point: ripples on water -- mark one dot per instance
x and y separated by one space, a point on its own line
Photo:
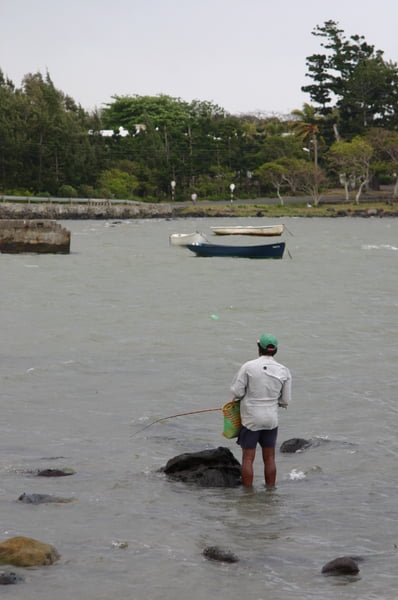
126 329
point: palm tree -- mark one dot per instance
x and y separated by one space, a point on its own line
306 128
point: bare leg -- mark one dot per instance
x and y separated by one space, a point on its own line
247 466
269 466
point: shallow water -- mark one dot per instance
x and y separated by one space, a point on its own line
127 329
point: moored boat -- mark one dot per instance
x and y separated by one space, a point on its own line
258 251
182 239
266 230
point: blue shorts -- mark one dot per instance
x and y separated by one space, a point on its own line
248 439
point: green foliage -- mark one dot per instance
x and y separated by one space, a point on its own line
273 174
114 183
67 191
351 161
356 77
86 191
385 145
353 157
48 142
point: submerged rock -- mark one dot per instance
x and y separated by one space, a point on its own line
344 565
42 499
10 578
26 552
55 473
295 444
209 468
216 553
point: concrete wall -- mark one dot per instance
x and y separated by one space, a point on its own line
33 235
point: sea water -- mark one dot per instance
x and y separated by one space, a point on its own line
127 329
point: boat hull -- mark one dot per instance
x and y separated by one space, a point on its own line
263 251
266 230
182 239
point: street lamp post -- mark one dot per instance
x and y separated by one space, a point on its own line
314 145
173 190
232 187
316 173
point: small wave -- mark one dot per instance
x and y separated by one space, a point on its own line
296 475
121 545
379 247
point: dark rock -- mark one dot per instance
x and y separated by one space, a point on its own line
344 565
298 444
42 499
295 444
10 578
216 553
209 468
54 473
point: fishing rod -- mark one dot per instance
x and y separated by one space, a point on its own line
193 412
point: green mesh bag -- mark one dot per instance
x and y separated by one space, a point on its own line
231 412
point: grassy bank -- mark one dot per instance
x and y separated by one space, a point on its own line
296 209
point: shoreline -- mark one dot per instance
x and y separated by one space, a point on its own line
369 207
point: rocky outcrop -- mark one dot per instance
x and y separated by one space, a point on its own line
209 468
22 551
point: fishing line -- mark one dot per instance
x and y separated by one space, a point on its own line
193 412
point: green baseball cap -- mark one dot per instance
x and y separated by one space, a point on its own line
267 340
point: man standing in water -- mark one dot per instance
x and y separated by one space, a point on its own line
261 385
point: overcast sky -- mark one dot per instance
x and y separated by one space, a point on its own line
244 55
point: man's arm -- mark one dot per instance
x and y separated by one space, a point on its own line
286 392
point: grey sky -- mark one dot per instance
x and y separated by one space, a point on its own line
244 55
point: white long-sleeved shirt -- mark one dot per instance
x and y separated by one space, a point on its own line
261 385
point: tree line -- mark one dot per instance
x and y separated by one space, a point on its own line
154 148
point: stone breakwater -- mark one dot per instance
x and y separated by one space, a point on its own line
141 210
17 210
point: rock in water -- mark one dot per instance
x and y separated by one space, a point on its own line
216 553
344 565
10 578
209 468
42 499
294 445
55 473
26 552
